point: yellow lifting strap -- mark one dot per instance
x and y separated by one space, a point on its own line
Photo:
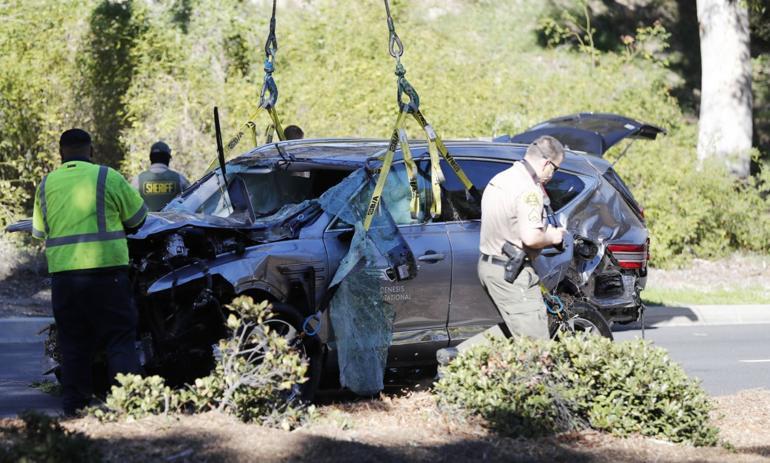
411 171
248 126
445 154
436 146
387 160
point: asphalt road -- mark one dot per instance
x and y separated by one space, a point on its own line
20 365
727 358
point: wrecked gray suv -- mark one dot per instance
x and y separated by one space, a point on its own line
285 218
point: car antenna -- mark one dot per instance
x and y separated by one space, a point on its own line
220 148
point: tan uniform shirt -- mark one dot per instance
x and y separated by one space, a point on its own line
511 201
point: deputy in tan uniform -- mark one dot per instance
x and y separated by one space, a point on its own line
512 210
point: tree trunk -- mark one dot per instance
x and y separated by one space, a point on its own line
725 125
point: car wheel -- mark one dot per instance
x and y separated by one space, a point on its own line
287 321
580 317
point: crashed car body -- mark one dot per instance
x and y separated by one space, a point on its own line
285 248
265 229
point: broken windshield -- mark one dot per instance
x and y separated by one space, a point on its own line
268 189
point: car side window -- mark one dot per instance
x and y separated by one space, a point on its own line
563 188
396 196
456 203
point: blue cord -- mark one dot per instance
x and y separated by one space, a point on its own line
558 301
306 327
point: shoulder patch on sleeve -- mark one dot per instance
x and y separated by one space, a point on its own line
532 210
531 199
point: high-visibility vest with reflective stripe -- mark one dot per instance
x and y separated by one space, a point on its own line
158 188
81 210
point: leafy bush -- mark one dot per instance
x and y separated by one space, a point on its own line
136 397
42 439
530 387
256 372
254 378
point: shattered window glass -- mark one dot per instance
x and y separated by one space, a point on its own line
269 189
563 188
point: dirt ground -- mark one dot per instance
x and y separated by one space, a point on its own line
412 428
25 294
25 290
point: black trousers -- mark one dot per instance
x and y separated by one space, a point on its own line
93 311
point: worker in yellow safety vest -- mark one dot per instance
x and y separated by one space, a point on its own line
84 211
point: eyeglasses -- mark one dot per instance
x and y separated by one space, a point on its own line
555 167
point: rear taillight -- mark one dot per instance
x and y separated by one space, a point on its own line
630 256
649 256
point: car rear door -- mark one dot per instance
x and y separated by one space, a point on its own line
470 308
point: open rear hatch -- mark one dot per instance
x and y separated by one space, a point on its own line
594 133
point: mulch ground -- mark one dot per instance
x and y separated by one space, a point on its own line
412 428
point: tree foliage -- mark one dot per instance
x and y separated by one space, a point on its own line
135 71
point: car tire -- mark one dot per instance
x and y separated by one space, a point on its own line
587 319
288 315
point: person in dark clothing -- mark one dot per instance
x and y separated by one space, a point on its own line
83 212
293 132
159 184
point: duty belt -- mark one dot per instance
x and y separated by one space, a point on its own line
493 260
499 261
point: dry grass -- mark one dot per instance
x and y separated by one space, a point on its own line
735 272
411 428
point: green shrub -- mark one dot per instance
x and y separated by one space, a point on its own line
256 371
136 397
531 387
254 379
42 439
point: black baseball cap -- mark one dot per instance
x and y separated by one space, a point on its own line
160 147
74 138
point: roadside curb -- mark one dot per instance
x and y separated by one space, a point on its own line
695 315
23 329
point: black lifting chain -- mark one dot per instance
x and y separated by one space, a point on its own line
396 49
269 94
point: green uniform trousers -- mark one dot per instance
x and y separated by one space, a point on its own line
520 304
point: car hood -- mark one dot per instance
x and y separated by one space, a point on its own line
594 133
283 224
159 222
